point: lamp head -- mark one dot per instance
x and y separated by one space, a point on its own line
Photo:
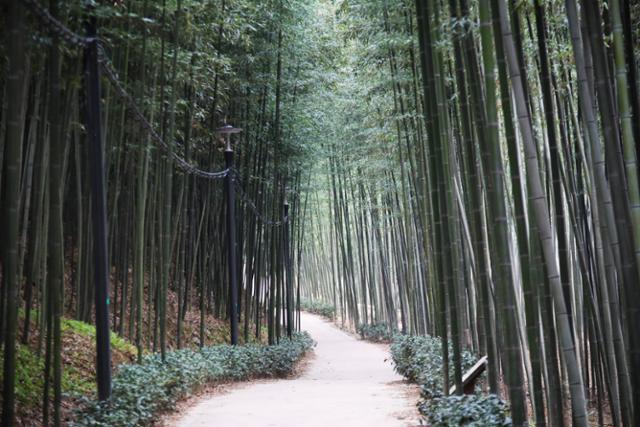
226 132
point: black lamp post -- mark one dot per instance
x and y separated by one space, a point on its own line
230 195
289 273
99 208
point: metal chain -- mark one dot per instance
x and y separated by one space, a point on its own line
124 96
67 35
55 26
64 33
244 198
264 180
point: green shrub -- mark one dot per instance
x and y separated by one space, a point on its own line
141 391
317 307
380 331
475 410
419 359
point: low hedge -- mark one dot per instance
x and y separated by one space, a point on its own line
380 331
478 410
317 307
140 391
419 359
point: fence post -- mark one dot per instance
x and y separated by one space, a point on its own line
95 153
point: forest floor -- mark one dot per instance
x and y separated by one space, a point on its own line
345 382
78 355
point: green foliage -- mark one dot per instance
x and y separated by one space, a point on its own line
141 391
476 410
30 366
85 329
74 382
29 378
317 307
30 381
380 331
419 359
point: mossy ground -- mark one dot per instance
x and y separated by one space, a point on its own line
78 373
78 359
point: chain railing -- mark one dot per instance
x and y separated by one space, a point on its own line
247 202
55 26
96 59
67 35
128 100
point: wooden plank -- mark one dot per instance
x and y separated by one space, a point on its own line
470 377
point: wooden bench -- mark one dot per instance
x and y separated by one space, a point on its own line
470 377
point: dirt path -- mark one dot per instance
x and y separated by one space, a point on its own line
347 383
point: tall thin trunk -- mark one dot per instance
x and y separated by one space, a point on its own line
16 80
543 222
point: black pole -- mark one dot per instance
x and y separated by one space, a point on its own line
289 282
99 208
231 244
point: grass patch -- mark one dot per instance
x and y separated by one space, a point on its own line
78 366
30 379
81 328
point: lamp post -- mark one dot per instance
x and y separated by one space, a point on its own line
99 208
230 196
289 275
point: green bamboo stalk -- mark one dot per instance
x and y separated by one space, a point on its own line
16 78
543 222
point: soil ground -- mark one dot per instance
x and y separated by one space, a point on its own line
347 382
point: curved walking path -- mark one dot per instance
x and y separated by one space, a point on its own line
348 382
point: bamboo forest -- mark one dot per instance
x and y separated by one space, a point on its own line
320 213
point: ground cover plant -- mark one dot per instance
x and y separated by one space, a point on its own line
419 359
317 307
378 331
141 391
478 410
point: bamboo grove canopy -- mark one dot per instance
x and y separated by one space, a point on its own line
460 168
